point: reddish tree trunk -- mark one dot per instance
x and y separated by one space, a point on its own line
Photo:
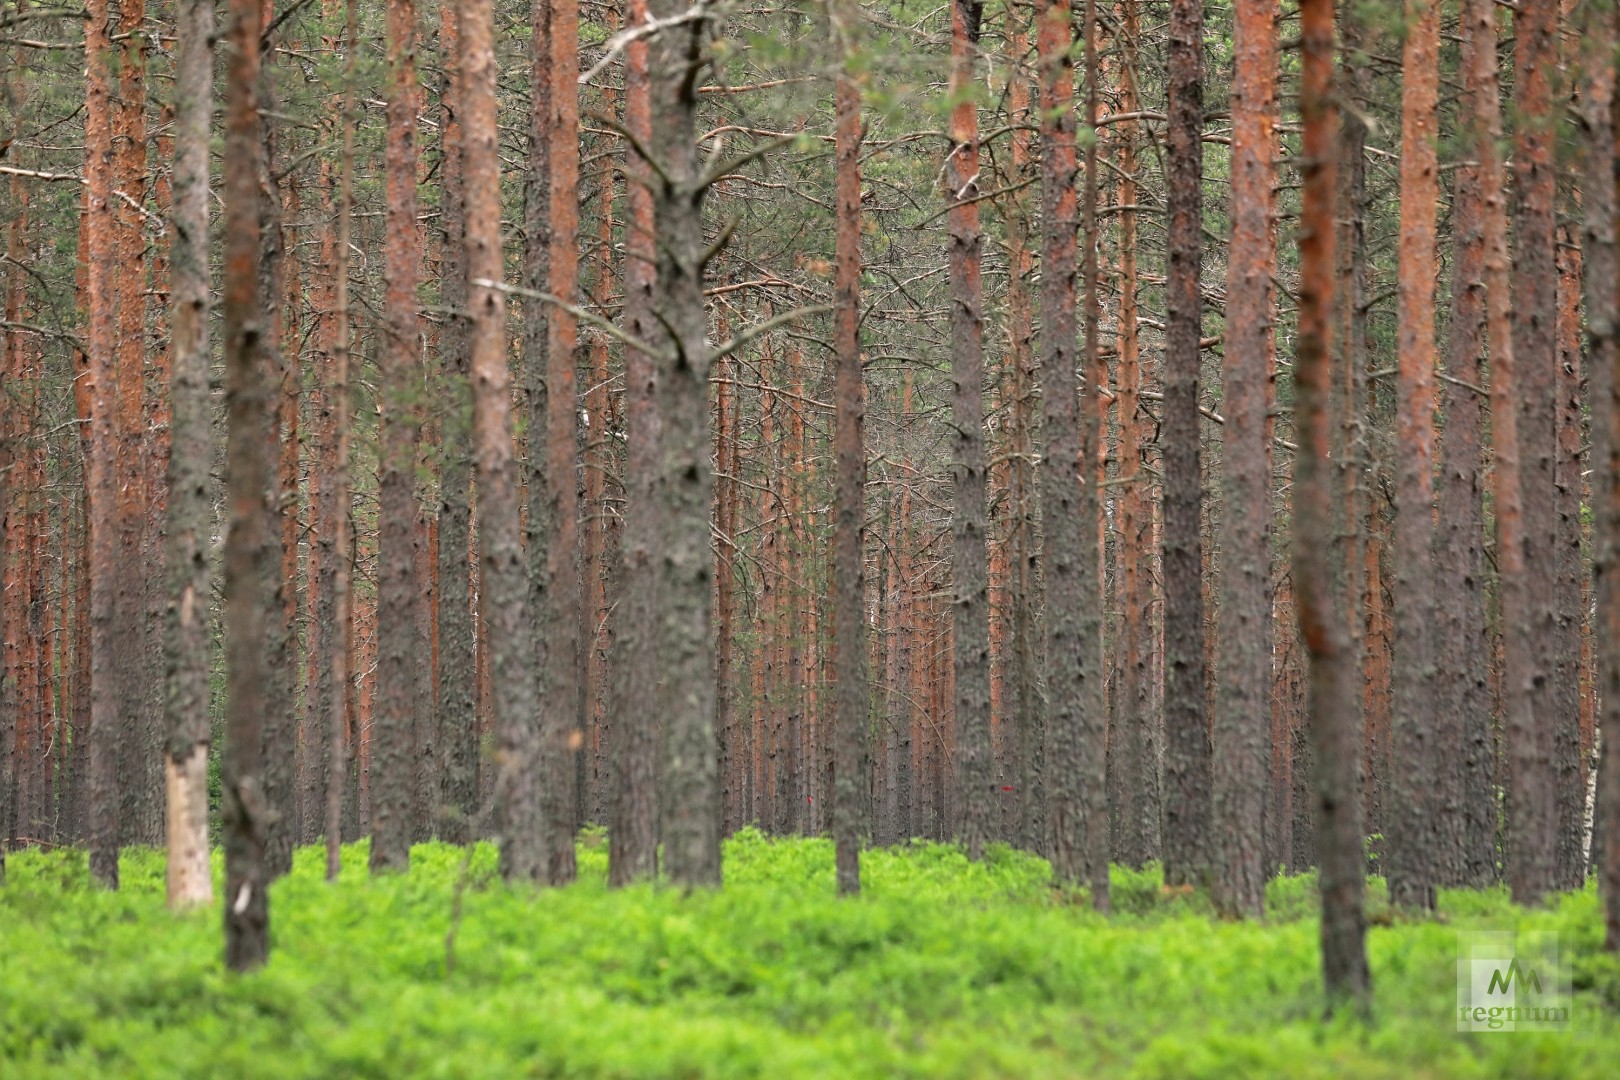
1242 721
1333 672
1410 842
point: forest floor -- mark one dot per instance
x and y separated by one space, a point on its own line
942 968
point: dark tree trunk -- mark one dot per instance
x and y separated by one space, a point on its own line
1600 121
1242 728
1336 740
1528 610
1463 800
1187 799
1570 871
249 600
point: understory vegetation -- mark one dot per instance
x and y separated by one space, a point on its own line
943 967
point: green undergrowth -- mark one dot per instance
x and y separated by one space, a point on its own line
942 968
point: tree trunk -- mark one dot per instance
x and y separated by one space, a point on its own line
400 358
504 598
1464 802
280 729
341 719
1079 826
633 834
1243 727
849 562
691 820
1570 869
562 621
1187 767
458 723
1336 742
109 692
248 599
1601 121
1527 531
1410 843
969 560
190 516
1142 813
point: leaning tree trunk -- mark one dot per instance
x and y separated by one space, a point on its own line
190 511
248 601
1335 738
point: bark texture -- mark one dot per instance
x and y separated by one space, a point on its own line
190 503
1335 738
691 819
1528 530
632 833
1187 798
504 601
400 357
1410 843
249 600
849 562
968 521
1242 728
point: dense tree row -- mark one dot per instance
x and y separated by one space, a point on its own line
1083 426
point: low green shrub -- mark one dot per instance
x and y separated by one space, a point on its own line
943 967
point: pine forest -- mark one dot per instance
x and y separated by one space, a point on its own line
848 538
